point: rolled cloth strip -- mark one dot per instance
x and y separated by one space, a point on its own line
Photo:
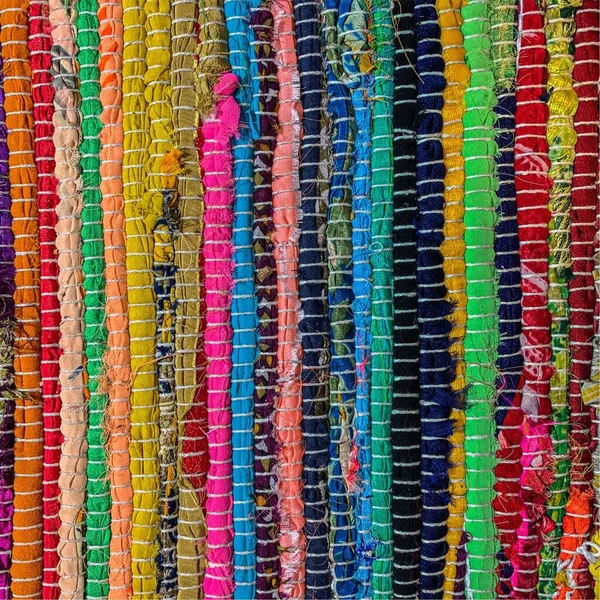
561 136
436 370
406 434
98 500
217 165
243 306
286 203
509 416
191 421
382 170
26 567
265 373
40 42
7 391
313 323
43 96
575 579
117 357
457 76
481 338
532 184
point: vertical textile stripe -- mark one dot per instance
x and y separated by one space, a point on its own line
286 203
98 492
40 42
481 336
532 184
457 76
406 434
561 136
509 416
139 223
117 357
26 568
342 384
7 398
381 296
243 307
577 523
265 279
73 413
191 561
165 229
217 165
436 371
157 95
313 322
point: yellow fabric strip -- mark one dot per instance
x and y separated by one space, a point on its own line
139 224
457 76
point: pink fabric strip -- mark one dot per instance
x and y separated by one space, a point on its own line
217 166
286 201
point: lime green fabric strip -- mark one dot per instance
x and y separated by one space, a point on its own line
98 493
481 339
382 296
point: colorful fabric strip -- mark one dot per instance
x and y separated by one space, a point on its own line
406 435
243 309
313 323
436 371
217 165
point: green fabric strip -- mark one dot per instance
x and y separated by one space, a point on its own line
98 492
481 339
382 296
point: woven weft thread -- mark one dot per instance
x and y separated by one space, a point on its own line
406 434
26 567
532 184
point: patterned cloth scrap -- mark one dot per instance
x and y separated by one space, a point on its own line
532 184
406 436
574 578
561 137
265 279
164 270
7 396
98 500
40 42
357 64
116 359
457 76
217 165
342 383
243 307
313 324
27 540
436 370
509 416
382 325
481 337
288 404
73 413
